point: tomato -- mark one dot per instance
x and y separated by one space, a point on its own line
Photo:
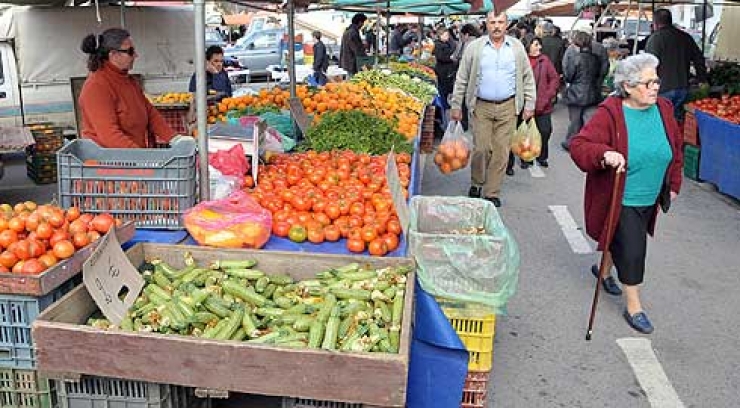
316 235
333 211
17 224
94 236
248 181
48 259
33 267
8 259
322 219
22 250
356 245
56 219
301 203
304 217
391 241
58 236
35 248
280 228
44 231
357 209
394 227
378 247
4 269
32 222
332 233
369 234
80 240
19 208
101 223
8 237
64 249
73 213
297 233
18 267
287 195
77 226
355 221
86 218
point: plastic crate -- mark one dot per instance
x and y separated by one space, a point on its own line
691 156
152 187
476 330
17 313
49 177
426 143
690 129
475 390
24 389
289 402
102 392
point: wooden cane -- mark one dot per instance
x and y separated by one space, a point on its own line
611 221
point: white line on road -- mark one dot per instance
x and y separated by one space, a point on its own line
577 241
649 372
536 171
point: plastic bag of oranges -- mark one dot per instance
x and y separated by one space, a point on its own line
454 152
527 141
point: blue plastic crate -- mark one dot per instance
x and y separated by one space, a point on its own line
17 313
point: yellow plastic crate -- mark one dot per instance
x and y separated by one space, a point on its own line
476 333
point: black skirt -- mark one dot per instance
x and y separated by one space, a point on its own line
629 245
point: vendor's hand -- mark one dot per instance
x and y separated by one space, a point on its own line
673 195
456 114
527 114
615 159
211 68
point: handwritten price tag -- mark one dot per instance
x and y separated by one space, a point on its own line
108 275
394 184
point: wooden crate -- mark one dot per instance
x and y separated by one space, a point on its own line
690 129
67 348
52 278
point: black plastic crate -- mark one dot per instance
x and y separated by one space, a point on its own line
103 392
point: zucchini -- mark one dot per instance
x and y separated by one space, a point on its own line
261 284
332 330
281 280
316 334
233 264
359 294
243 293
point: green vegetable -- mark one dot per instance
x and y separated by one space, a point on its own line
356 131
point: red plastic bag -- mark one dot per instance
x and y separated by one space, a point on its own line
237 221
232 162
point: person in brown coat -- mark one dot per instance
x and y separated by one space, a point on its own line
115 111
352 45
634 133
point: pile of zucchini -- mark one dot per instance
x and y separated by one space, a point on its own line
350 308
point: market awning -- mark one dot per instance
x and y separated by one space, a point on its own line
443 7
237 19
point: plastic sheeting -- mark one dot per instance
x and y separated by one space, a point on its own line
463 251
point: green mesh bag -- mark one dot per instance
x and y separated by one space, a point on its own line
463 251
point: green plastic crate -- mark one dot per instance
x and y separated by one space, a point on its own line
24 389
691 155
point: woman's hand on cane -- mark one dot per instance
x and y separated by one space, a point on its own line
614 159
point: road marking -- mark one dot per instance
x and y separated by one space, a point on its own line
573 234
536 171
649 372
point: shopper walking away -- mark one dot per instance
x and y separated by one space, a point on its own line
633 132
320 59
495 79
444 66
677 52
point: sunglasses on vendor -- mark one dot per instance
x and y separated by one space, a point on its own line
130 51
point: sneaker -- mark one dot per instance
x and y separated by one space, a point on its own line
543 163
525 165
474 192
495 200
639 321
609 283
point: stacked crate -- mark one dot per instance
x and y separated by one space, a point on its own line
41 159
476 329
426 144
691 149
112 392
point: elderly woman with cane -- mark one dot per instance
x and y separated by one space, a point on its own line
633 132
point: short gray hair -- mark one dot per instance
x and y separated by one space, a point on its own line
629 69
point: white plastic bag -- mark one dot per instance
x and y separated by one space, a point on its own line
454 152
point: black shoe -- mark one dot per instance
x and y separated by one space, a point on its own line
525 165
495 200
509 171
543 163
639 321
565 146
609 284
474 192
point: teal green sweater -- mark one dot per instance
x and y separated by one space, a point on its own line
648 156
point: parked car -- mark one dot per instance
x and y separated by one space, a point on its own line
214 37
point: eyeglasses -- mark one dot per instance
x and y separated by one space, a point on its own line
130 51
650 82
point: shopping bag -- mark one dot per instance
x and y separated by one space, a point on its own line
454 152
527 141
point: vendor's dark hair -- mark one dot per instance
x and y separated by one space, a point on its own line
470 29
213 50
97 48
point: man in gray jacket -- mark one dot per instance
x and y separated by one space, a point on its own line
496 82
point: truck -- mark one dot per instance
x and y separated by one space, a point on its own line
40 56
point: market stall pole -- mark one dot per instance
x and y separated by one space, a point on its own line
200 97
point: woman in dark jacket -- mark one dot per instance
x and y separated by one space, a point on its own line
636 134
547 81
444 67
583 76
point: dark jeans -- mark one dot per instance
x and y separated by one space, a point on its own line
677 97
544 125
578 116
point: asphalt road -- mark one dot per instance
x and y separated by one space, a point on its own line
540 356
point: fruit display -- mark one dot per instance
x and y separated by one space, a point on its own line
401 110
452 155
352 308
36 237
329 196
726 107
414 86
356 131
172 98
414 69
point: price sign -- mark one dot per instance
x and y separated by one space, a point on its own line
108 274
299 114
394 184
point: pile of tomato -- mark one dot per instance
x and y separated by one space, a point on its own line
35 237
329 196
727 107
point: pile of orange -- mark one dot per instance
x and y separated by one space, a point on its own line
395 107
451 156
